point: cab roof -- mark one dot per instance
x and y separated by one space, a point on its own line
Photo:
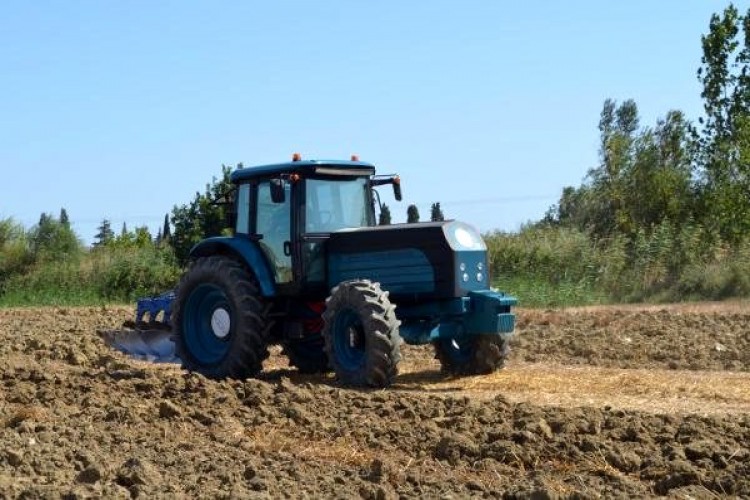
309 167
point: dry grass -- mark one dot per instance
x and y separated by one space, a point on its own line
660 391
25 413
741 306
340 449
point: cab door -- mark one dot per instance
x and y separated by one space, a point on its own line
274 228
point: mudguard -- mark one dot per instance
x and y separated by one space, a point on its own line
247 250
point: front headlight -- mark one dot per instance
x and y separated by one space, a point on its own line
462 236
468 239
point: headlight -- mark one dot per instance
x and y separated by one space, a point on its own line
462 236
467 239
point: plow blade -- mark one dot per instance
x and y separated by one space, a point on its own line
148 344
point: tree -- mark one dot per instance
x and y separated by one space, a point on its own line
617 127
658 183
64 220
104 233
385 215
412 214
142 237
202 217
166 231
124 229
724 154
51 239
10 231
644 178
15 254
436 213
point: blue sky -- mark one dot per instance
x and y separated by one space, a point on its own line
124 109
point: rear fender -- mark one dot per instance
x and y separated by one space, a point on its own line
244 249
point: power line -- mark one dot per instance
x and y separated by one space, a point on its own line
486 201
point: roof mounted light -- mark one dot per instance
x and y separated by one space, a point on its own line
355 157
353 172
296 157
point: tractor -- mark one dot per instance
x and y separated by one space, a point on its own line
308 268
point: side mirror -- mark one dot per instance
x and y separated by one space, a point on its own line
388 179
397 189
278 191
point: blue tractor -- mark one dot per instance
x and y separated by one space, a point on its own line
307 267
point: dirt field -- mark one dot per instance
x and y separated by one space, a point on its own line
599 402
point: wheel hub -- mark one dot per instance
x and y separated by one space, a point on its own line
221 322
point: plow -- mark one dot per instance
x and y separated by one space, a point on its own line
307 267
149 335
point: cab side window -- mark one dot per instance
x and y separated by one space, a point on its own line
274 226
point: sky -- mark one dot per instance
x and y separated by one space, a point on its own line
122 110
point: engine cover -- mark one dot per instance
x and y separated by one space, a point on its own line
414 262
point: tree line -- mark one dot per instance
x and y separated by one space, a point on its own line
675 172
665 213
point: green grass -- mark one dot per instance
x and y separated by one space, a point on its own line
105 276
540 293
52 297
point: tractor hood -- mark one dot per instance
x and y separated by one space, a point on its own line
431 260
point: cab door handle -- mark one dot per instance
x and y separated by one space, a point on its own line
288 248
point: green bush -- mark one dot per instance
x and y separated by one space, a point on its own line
101 275
555 266
15 253
555 254
127 273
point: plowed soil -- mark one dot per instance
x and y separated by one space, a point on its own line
603 402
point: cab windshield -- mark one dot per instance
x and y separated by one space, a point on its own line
331 205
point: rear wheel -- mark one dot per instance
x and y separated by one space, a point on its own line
472 354
361 334
219 320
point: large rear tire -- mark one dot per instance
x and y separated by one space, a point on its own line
361 334
219 320
472 354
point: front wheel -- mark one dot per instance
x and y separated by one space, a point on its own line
361 334
472 354
219 320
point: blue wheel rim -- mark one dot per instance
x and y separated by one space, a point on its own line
201 341
459 349
349 340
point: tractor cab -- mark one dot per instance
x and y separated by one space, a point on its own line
291 209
